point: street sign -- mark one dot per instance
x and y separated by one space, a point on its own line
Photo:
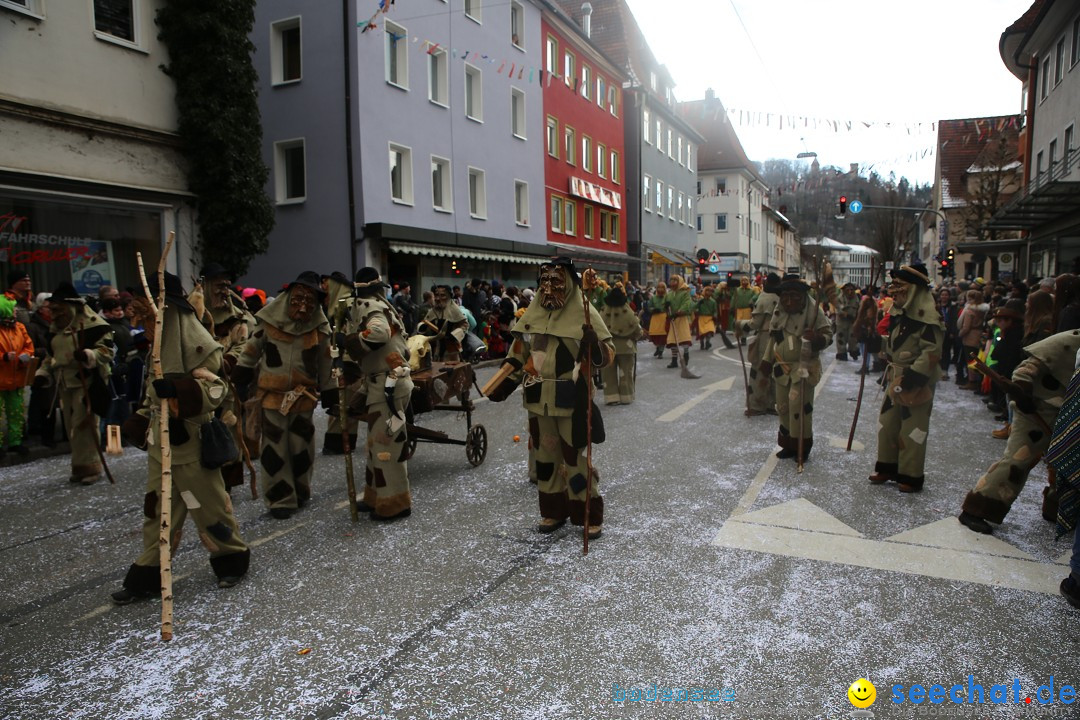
714 258
888 264
855 207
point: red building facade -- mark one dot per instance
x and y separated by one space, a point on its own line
584 171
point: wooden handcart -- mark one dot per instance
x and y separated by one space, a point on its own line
437 388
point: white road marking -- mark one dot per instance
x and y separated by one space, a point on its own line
985 563
678 412
278 533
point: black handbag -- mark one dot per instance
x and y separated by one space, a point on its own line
218 446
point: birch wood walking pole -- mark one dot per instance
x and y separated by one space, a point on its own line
165 527
343 411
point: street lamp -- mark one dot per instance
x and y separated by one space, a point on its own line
803 155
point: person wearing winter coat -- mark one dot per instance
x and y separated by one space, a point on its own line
969 329
16 351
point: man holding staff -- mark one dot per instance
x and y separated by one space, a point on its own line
193 389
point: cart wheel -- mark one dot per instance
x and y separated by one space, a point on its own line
476 445
410 447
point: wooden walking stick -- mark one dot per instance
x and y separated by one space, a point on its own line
588 279
742 362
343 412
858 401
165 527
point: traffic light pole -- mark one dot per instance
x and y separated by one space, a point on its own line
916 210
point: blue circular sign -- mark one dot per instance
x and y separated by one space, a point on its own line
855 206
713 269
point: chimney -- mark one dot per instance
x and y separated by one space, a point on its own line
710 94
586 19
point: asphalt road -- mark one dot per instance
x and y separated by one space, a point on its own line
722 573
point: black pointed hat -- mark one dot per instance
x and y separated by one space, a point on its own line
309 279
174 291
65 292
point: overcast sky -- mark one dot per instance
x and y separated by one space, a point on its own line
903 63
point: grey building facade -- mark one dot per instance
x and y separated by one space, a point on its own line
408 145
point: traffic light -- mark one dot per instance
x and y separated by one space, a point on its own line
702 259
730 275
454 267
843 205
950 263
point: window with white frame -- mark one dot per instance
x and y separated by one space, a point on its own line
646 192
601 91
721 222
517 113
477 194
614 166
1045 77
670 145
721 185
1053 154
569 145
570 217
670 202
474 96
116 20
441 185
613 100
552 59
699 223
586 153
698 188
1059 61
681 161
659 135
521 202
609 227
689 208
1068 148
586 82
1039 164
285 63
439 77
29 7
652 80
689 156
472 9
659 198
568 68
552 137
681 209
517 24
290 173
601 160
556 214
646 130
397 57
588 222
401 182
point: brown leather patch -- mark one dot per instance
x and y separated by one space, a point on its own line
394 360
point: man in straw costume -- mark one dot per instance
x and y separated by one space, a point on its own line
191 382
447 324
913 349
375 340
798 331
290 348
620 377
550 341
78 357
762 389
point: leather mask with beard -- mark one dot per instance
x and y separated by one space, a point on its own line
898 291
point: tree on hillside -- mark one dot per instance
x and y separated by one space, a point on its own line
991 182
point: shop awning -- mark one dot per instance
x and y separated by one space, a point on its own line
1043 203
603 259
460 252
665 256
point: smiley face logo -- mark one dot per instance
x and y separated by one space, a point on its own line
862 693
